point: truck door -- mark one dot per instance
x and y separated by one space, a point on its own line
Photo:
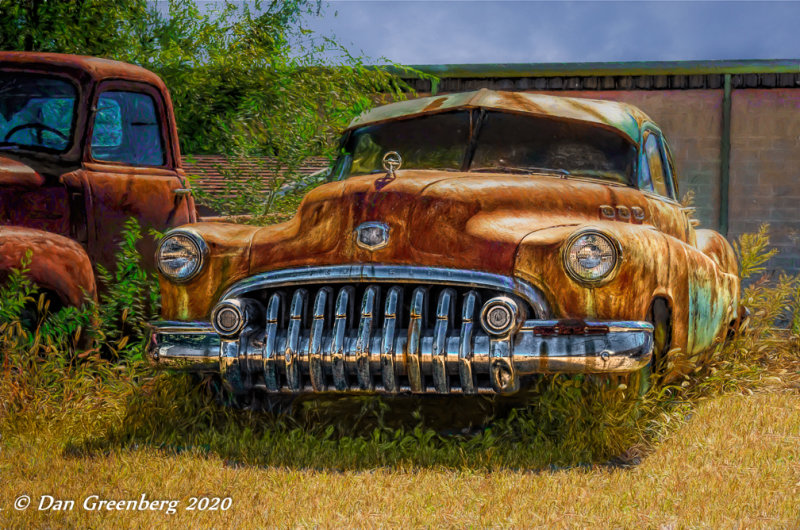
131 169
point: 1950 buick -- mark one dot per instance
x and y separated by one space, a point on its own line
465 244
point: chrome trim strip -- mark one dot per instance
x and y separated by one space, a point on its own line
388 368
465 373
414 350
292 351
444 310
343 308
270 351
315 370
362 353
367 272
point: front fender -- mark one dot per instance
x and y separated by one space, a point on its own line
641 274
227 262
701 288
58 264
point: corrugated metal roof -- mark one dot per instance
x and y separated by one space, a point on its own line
771 66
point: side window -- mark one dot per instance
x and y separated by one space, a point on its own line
645 180
657 173
127 129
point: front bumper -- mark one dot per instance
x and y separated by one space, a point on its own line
406 361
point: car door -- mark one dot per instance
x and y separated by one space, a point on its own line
131 169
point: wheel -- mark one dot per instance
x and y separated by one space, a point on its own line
659 316
639 382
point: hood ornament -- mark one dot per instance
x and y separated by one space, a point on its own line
372 235
392 162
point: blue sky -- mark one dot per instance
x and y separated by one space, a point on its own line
440 32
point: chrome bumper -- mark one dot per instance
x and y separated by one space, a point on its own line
413 360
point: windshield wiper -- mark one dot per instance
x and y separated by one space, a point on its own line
521 170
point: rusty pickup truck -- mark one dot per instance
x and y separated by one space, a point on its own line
85 144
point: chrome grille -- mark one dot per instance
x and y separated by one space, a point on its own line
399 337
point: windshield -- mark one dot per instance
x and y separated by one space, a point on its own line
435 141
491 141
36 111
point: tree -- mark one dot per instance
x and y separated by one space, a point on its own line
245 79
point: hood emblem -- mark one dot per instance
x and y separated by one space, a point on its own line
372 235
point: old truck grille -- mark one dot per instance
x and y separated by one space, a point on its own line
368 335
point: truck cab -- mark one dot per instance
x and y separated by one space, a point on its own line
85 144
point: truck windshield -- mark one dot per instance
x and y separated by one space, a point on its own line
492 141
36 111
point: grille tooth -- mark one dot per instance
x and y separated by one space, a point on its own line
388 369
466 373
444 312
269 354
292 352
413 346
368 305
315 351
343 305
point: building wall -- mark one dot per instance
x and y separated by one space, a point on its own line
765 145
765 169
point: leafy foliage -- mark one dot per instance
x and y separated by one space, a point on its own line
753 252
246 78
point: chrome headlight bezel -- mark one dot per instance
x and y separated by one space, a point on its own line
200 249
573 240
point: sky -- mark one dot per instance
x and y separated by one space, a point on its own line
454 32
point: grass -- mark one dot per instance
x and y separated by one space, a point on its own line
734 462
718 447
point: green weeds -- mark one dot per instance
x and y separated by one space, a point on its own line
83 400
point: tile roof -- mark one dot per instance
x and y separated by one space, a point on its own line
210 172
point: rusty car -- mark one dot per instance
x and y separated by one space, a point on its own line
85 144
465 243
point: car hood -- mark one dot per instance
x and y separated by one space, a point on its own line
14 174
434 218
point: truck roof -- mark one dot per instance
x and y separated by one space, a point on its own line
96 68
610 114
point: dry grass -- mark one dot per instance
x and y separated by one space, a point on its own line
736 462
719 447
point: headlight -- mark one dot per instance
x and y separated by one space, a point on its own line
591 257
180 255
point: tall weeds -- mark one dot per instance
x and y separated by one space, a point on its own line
79 399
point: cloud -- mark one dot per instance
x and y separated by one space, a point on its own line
441 32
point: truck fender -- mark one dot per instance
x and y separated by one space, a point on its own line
58 264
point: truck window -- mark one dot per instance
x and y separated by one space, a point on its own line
36 112
127 130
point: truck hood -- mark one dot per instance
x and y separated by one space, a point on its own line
435 218
14 174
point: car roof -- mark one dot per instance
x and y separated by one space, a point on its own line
621 117
96 68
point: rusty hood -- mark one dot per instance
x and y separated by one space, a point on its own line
434 218
17 175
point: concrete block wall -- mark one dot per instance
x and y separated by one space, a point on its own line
765 169
764 185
